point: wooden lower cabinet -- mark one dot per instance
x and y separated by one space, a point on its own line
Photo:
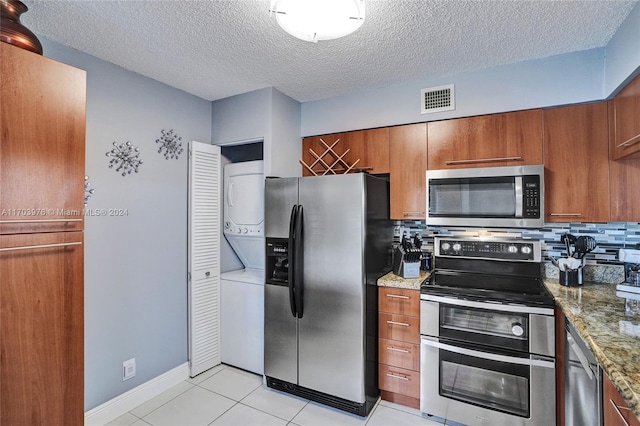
615 410
399 345
42 333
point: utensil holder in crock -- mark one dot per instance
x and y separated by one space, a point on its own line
572 277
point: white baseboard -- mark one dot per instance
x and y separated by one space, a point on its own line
129 400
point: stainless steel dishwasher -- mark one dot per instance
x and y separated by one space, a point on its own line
583 382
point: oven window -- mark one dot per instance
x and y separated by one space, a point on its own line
477 197
495 385
498 329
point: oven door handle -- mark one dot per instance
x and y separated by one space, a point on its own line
488 306
489 356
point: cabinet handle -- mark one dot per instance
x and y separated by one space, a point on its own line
397 296
482 160
404 324
617 409
395 376
404 351
634 140
41 221
40 246
566 214
407 214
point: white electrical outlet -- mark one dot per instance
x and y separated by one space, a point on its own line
128 369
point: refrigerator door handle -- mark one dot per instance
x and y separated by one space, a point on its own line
292 257
299 260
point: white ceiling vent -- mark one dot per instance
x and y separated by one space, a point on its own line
436 99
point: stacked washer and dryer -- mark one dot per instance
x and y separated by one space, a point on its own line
242 291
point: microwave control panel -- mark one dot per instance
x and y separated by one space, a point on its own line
531 196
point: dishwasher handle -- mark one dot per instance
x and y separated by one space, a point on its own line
581 356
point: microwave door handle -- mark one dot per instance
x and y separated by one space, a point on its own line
519 199
489 356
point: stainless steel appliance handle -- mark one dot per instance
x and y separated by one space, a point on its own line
581 356
42 246
521 309
292 265
299 261
519 202
482 160
489 356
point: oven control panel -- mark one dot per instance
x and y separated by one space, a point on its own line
509 249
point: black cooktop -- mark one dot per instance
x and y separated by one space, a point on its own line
529 291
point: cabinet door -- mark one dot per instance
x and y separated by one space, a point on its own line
371 147
42 334
623 174
576 163
407 171
627 121
42 147
509 139
615 410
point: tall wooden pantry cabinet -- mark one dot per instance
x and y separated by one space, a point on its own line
42 106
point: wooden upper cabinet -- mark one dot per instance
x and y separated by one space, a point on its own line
407 174
508 139
626 122
624 176
367 149
43 143
576 163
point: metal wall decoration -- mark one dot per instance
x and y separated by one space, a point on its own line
125 158
88 191
171 144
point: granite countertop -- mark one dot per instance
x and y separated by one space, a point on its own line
612 335
393 280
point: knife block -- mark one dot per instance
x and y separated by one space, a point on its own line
403 268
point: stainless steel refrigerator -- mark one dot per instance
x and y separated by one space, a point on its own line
327 242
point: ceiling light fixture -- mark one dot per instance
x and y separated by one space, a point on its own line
314 20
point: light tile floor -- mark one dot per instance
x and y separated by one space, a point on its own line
228 396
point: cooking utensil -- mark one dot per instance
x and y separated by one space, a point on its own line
568 241
584 245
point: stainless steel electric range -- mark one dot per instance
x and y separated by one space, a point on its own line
487 334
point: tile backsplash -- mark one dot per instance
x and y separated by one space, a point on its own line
610 237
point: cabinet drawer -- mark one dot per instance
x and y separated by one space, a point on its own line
399 301
399 354
399 327
399 380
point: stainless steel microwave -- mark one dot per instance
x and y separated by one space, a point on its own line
491 197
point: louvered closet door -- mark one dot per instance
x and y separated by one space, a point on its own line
204 257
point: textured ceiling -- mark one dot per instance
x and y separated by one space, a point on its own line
216 49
